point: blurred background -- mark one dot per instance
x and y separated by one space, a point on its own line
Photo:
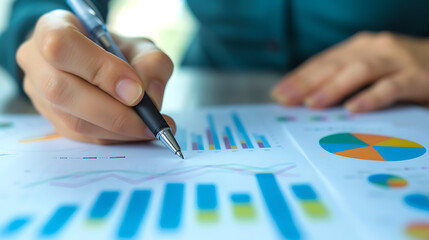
4 12
167 22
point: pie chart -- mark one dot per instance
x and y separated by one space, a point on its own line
387 181
419 230
371 147
418 201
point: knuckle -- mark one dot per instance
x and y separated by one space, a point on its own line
106 71
21 53
53 43
362 68
386 39
54 89
102 72
156 62
364 36
120 122
162 59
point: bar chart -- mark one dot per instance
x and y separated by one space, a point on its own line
243 206
310 201
135 207
229 135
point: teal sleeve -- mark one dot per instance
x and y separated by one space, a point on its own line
23 17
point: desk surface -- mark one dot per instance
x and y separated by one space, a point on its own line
188 89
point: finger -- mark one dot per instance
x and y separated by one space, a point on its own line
294 88
67 124
83 100
417 87
62 129
382 94
170 123
65 47
310 76
87 129
352 77
152 65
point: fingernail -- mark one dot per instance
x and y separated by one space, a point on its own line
156 91
277 96
315 100
355 106
285 96
128 90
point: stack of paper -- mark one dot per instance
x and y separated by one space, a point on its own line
250 172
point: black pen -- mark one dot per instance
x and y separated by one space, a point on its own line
92 21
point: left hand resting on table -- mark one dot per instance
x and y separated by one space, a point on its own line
396 67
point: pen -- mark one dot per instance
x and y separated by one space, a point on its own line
92 21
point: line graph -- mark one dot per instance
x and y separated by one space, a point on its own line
84 178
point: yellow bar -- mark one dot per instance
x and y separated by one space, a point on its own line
94 223
244 211
314 208
207 216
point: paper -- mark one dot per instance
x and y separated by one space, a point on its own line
250 172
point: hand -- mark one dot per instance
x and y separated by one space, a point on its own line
396 68
85 91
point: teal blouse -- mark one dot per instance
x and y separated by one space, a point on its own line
255 34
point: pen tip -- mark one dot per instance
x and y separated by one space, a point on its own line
179 153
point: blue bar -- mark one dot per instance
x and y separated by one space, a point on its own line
58 220
134 213
240 198
172 206
14 226
103 205
241 130
206 197
304 192
277 206
230 137
265 142
198 139
214 133
200 142
181 138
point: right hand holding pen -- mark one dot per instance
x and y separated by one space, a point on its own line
86 92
